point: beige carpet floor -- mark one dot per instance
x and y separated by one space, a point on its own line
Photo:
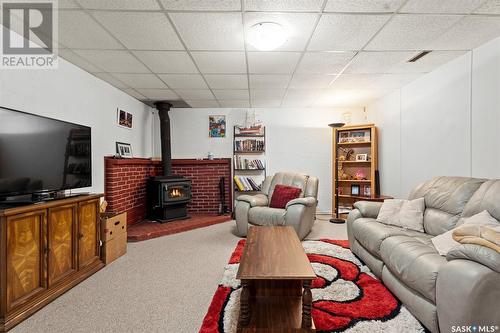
161 285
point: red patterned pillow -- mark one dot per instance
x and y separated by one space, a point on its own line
283 194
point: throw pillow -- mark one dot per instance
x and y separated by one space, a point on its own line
445 242
408 214
283 194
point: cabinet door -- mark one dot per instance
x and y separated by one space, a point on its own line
61 230
88 233
26 257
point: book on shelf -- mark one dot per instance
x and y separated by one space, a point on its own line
249 145
247 164
246 184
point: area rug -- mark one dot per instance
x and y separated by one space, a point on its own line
347 297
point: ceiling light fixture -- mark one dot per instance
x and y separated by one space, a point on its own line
266 36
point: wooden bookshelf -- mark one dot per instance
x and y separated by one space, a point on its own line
349 172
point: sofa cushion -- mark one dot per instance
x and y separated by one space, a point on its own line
266 216
414 261
370 234
283 194
485 198
289 179
445 199
408 214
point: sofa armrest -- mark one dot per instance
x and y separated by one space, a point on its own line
254 200
307 201
480 254
368 208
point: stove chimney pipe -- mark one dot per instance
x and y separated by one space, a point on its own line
166 150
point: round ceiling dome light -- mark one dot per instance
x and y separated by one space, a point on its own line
266 36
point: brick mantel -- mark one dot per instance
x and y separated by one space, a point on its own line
125 183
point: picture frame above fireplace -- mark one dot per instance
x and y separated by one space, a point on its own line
124 150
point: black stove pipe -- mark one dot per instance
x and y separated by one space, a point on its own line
166 150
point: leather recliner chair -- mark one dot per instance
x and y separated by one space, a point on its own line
299 213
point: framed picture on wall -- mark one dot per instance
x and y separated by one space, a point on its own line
124 150
217 126
125 119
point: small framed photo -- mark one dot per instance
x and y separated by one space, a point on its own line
343 137
124 119
367 191
358 136
124 149
361 157
355 189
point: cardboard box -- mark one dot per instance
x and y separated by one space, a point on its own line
113 224
114 236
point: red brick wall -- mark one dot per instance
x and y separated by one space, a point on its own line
125 184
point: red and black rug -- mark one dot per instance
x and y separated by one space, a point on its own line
347 297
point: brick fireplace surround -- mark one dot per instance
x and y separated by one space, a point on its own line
125 184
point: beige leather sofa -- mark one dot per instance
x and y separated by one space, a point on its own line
299 213
460 289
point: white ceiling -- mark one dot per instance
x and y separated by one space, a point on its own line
339 52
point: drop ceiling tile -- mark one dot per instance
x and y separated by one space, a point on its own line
184 81
363 6
343 97
299 27
324 62
469 33
210 31
113 61
199 94
342 32
141 30
308 81
284 5
120 4
203 104
232 81
244 103
377 62
354 81
202 5
274 94
76 60
157 94
134 93
266 103
93 36
489 7
393 81
232 94
427 63
167 61
298 101
441 6
221 62
111 80
269 81
272 62
141 81
68 4
412 32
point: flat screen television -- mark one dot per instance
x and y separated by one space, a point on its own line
39 155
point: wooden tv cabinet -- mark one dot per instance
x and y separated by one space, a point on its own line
45 250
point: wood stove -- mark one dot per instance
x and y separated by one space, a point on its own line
168 195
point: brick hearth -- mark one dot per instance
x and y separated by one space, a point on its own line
125 184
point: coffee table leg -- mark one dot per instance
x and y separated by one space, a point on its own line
245 303
306 305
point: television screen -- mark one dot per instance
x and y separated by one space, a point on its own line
39 154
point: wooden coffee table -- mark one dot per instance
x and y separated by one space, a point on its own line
276 278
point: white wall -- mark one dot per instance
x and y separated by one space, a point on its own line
444 123
297 139
71 94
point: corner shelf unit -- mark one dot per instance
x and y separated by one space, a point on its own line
248 160
355 159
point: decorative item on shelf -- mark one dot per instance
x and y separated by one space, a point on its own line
361 157
336 219
217 126
210 155
354 189
124 150
360 175
124 119
347 153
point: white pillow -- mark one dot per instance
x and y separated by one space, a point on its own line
445 242
403 213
